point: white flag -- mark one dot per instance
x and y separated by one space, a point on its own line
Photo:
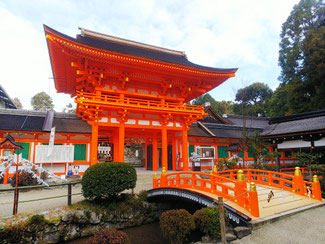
51 142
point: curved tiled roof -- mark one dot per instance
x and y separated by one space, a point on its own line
136 49
295 126
24 120
4 97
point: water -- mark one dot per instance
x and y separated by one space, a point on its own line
144 234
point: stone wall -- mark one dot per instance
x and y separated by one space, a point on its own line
83 222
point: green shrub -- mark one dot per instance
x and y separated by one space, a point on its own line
225 164
24 179
107 180
207 220
37 219
176 225
111 236
13 234
143 195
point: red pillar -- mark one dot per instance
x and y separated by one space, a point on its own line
174 152
164 155
154 152
115 142
121 138
185 149
146 153
94 144
5 176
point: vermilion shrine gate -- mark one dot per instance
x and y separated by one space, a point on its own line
132 91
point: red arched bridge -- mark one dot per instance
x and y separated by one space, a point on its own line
249 194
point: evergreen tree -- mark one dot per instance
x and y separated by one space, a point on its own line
42 102
17 102
253 99
301 58
223 107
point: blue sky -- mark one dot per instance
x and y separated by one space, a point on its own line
225 34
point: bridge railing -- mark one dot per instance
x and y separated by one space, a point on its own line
233 190
294 183
232 184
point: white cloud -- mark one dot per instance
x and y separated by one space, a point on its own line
225 34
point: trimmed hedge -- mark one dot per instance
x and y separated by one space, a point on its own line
207 220
109 236
176 225
107 180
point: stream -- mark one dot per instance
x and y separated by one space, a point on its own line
144 234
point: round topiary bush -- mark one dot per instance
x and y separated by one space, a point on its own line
207 220
176 225
109 236
107 180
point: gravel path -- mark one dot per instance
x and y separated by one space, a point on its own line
8 197
306 227
42 205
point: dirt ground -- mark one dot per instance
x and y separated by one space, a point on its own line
302 228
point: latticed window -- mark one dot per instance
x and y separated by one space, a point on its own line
79 152
222 153
25 151
250 152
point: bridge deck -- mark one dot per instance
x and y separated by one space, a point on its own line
281 201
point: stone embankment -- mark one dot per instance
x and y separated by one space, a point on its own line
78 223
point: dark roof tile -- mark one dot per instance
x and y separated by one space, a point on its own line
21 122
135 50
68 125
295 126
230 131
197 131
251 121
4 97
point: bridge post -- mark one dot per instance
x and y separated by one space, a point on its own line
253 200
178 180
212 182
231 175
240 187
155 181
214 172
298 182
249 176
317 194
163 178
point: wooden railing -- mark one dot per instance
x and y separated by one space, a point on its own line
294 183
111 99
232 184
291 171
233 190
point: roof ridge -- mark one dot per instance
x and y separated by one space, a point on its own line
23 112
300 116
247 117
90 33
